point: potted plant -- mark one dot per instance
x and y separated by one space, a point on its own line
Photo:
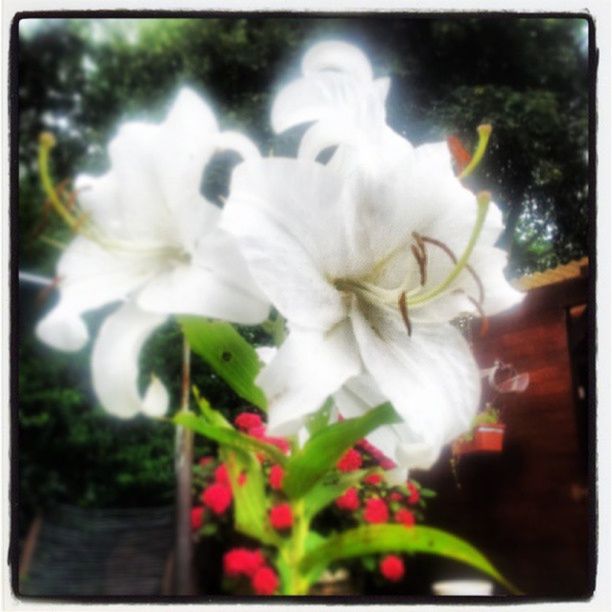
486 435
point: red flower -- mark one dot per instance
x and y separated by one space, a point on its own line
281 517
373 479
280 443
376 511
204 461
405 517
238 561
258 432
247 420
221 474
414 495
217 497
275 477
392 568
197 518
350 461
395 496
265 581
242 478
349 500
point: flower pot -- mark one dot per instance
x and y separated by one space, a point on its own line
487 438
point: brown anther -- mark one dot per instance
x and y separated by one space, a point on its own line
419 258
468 267
404 310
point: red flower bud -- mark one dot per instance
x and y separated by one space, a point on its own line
376 511
414 495
275 477
221 474
405 517
264 581
242 561
247 420
281 517
392 568
197 518
350 461
349 500
373 479
217 497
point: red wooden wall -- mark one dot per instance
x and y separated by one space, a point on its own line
527 508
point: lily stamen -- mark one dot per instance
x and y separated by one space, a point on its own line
484 133
404 310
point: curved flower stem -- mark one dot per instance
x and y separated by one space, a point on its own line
484 133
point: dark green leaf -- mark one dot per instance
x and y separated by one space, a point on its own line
323 450
228 353
371 539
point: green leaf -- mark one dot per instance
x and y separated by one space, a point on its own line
250 507
229 355
372 539
326 490
322 451
228 436
320 418
214 417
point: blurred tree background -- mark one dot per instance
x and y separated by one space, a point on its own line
79 78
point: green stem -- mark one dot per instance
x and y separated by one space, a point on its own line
295 550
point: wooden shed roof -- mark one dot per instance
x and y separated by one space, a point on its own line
568 271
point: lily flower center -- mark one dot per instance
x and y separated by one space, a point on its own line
404 297
163 251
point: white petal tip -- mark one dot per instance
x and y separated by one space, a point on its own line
156 400
63 333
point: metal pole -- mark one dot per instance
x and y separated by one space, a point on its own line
183 461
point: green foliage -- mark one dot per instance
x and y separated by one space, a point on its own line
230 356
322 450
250 503
368 539
227 436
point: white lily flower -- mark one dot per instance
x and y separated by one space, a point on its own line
346 105
369 259
151 239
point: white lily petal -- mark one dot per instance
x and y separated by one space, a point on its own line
237 142
89 277
115 359
308 367
338 56
289 227
156 399
430 377
63 330
198 291
324 134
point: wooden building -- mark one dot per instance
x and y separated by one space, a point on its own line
529 507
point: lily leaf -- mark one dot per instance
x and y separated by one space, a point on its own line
228 436
326 490
320 418
250 508
229 355
322 451
372 539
